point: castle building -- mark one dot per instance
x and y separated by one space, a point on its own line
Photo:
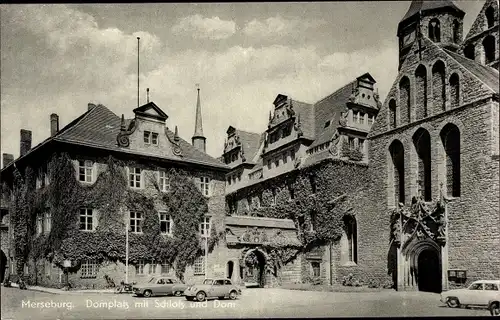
148 154
345 190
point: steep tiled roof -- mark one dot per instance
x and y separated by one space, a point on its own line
99 127
488 75
329 109
424 5
250 142
306 111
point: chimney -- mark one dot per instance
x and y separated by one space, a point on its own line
7 158
91 106
54 124
25 142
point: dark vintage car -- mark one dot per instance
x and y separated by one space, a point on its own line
160 286
212 288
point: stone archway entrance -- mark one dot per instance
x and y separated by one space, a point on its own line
422 269
3 265
429 271
255 266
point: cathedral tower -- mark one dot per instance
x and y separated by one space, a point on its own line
439 20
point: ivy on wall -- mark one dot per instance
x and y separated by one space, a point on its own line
321 199
113 199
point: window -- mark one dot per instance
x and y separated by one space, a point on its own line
166 223
164 182
491 286
438 85
292 154
89 268
47 222
312 223
490 16
39 224
454 90
312 180
352 239
152 267
351 142
422 142
456 32
392 114
476 286
404 99
205 227
489 48
135 177
421 92
135 222
154 138
397 154
287 131
205 186
269 164
258 200
229 180
87 219
273 200
285 157
85 170
361 145
199 266
139 268
370 120
315 269
165 267
291 190
434 30
276 162
47 266
469 52
249 203
450 137
147 137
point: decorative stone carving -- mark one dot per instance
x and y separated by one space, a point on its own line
176 146
353 95
334 144
297 126
421 220
343 119
123 139
253 236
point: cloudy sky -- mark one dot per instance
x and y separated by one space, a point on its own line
58 58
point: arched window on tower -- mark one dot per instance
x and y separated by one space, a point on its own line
421 91
398 175
490 16
392 114
404 98
422 142
470 52
435 30
351 234
450 136
456 31
438 86
454 90
489 48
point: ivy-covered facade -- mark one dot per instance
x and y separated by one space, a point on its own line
74 200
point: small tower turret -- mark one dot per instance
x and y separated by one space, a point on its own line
198 140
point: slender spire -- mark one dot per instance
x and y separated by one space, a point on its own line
147 93
198 139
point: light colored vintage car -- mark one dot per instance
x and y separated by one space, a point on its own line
160 286
212 288
480 293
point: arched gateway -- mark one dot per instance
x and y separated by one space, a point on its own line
254 262
418 243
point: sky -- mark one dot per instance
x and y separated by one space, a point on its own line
58 58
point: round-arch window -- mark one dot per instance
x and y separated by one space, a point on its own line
363 95
369 97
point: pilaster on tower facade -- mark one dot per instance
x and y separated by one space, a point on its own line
198 139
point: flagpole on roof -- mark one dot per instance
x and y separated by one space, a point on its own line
138 46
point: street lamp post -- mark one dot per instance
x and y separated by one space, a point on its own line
126 252
206 256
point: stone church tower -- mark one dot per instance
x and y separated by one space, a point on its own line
434 155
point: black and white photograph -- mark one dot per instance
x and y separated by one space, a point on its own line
241 160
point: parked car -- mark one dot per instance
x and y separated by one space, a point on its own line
494 307
212 288
480 293
160 286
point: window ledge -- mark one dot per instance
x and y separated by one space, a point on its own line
349 264
86 182
86 230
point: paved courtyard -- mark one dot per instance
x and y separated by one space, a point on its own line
25 304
